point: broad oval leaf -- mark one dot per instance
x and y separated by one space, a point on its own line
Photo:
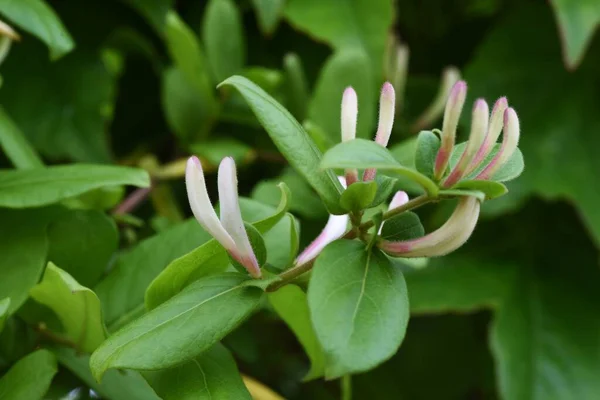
363 154
291 139
181 328
43 186
428 145
359 307
77 307
30 377
358 196
212 375
404 226
36 17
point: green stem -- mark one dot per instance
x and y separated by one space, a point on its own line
346 387
289 275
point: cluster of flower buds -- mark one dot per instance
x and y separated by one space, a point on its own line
230 230
485 130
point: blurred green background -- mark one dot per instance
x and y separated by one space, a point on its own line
515 314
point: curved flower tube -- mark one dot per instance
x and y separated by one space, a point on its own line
230 230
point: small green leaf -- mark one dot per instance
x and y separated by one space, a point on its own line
428 145
223 37
37 18
291 305
297 86
344 68
4 305
42 186
77 307
116 385
491 189
212 375
214 151
265 224
511 169
291 140
269 13
258 246
30 377
451 193
403 226
359 307
363 154
15 144
358 196
181 328
385 187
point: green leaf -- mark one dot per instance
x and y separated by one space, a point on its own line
83 243
403 226
214 151
510 170
452 193
43 186
213 375
291 140
358 196
363 154
30 377
359 307
183 106
4 306
77 307
355 24
122 291
428 145
577 21
385 187
82 83
268 13
344 68
15 145
116 385
210 258
295 79
223 37
154 11
37 18
491 189
291 305
181 328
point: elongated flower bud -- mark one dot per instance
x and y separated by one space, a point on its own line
400 74
494 130
387 104
454 106
450 76
450 236
348 122
479 126
510 141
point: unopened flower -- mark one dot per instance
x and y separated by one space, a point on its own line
450 76
494 130
348 122
387 104
510 141
230 230
450 236
479 127
334 229
454 106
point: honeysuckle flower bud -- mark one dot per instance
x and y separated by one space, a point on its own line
230 231
7 35
494 130
387 104
450 236
479 127
454 106
400 73
510 141
348 122
450 76
334 229
399 199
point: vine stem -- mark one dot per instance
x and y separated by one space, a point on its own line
297 270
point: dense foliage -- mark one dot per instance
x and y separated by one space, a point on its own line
110 288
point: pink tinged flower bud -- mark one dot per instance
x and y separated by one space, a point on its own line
494 130
348 122
479 126
510 141
450 76
400 73
387 104
454 106
231 217
449 237
399 199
